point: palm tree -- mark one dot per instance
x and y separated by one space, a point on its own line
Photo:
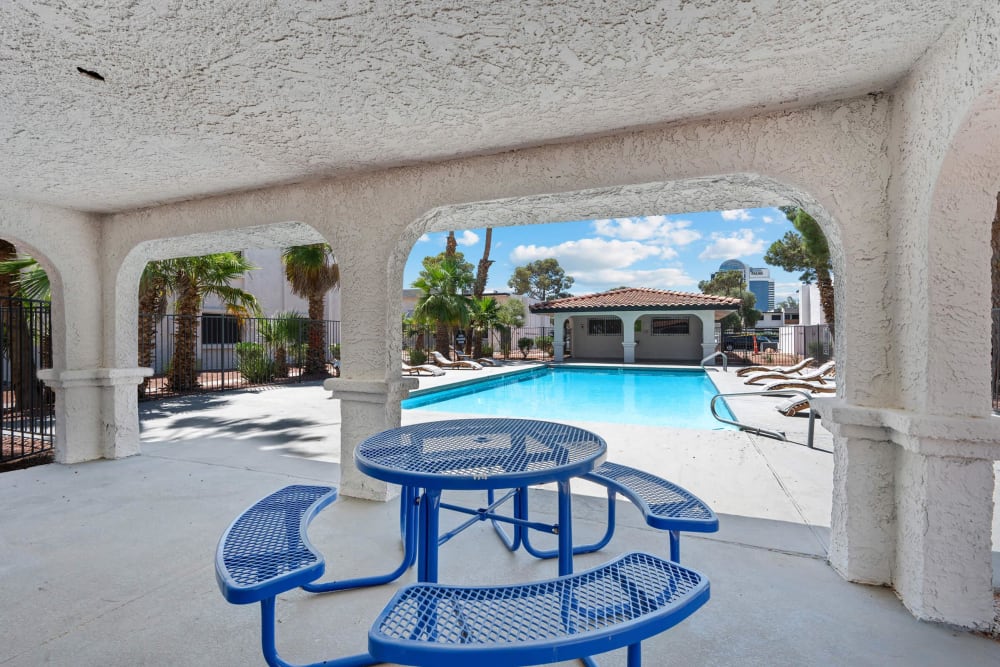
152 306
191 279
442 300
312 271
280 332
484 313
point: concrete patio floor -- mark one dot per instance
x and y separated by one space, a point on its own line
111 562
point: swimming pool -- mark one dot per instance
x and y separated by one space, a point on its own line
647 396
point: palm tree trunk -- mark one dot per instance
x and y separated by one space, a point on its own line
150 307
315 357
442 336
184 368
825 284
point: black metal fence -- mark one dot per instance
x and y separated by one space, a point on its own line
220 352
27 422
533 343
781 346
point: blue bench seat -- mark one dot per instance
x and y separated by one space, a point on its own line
663 504
615 605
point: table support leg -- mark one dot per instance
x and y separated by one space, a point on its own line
408 528
565 529
427 547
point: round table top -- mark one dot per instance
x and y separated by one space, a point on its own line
480 453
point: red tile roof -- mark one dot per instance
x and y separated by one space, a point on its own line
638 298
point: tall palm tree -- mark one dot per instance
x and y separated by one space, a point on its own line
152 306
484 313
312 271
191 279
442 300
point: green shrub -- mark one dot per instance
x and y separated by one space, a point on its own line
254 362
335 350
418 357
544 343
487 350
525 345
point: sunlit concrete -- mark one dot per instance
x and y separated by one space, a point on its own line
111 562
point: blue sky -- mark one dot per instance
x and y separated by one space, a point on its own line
665 252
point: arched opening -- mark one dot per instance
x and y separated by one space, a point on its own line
728 192
27 421
252 354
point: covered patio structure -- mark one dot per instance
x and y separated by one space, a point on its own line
153 132
637 324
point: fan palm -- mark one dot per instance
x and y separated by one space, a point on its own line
191 279
484 313
281 331
442 300
312 271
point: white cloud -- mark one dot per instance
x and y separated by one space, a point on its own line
767 219
738 244
466 238
604 279
656 228
424 238
736 214
588 254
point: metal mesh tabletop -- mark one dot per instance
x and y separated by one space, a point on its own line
480 453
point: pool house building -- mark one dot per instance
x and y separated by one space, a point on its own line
636 324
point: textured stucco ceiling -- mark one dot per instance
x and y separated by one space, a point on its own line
208 96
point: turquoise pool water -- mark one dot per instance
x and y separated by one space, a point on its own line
653 397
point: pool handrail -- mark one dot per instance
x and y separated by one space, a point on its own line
777 435
725 361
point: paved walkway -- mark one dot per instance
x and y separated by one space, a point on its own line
110 562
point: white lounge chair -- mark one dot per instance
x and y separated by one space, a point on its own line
820 375
462 356
439 359
787 370
797 403
423 369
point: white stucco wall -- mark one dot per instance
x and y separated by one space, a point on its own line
833 159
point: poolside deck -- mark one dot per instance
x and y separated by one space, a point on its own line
110 562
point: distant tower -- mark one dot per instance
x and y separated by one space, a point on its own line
758 282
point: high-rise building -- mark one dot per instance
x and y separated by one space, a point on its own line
758 281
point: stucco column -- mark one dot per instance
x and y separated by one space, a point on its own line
97 412
863 521
365 409
708 344
628 335
558 340
370 386
912 512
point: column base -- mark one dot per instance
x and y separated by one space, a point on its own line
366 408
97 414
913 507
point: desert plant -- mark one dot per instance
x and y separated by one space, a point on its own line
487 350
417 357
254 362
544 343
524 345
